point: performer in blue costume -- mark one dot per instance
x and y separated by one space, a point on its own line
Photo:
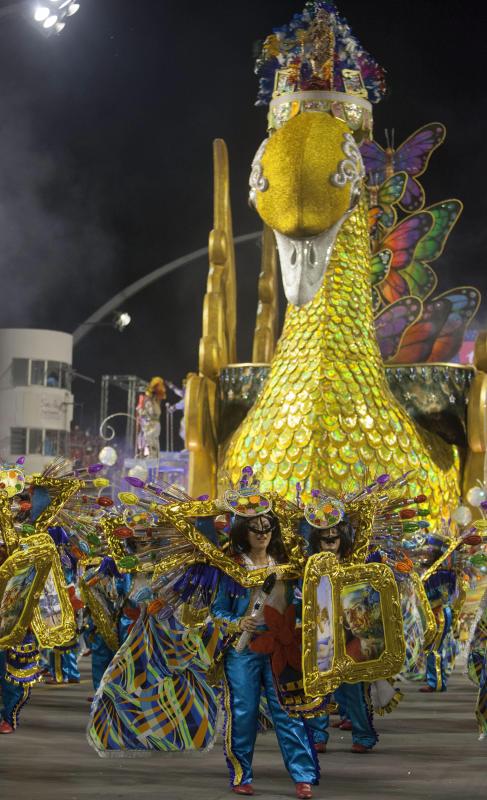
256 543
101 653
19 669
440 588
477 665
355 708
63 661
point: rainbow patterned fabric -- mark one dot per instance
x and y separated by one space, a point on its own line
154 695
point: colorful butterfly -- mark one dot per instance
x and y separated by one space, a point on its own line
392 323
412 156
402 242
421 279
382 199
438 334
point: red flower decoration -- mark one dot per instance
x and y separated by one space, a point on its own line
75 601
282 641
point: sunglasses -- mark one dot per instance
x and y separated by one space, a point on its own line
329 539
260 530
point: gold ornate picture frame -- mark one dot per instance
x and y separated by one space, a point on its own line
425 611
352 624
22 579
54 622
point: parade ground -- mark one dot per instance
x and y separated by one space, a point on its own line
428 748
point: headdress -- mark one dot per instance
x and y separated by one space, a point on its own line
12 478
315 63
245 498
323 511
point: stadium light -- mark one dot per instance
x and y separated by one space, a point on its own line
51 15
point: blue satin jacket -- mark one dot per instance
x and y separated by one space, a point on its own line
230 608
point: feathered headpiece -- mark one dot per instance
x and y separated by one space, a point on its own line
315 63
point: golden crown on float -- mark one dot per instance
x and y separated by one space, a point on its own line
316 64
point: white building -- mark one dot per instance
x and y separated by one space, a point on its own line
36 404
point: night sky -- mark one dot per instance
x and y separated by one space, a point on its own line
106 162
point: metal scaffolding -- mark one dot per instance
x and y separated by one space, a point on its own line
132 385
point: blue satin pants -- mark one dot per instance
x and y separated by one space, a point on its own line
101 655
13 696
64 666
351 699
436 661
246 675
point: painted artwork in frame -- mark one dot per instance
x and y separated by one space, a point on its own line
54 622
352 624
22 578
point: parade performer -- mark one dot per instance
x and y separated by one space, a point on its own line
441 589
477 665
63 660
353 700
19 670
256 542
148 413
116 589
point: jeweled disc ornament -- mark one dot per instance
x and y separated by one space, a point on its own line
324 511
246 499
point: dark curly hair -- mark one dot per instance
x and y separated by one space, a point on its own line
346 533
239 537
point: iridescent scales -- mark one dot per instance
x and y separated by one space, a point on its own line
326 409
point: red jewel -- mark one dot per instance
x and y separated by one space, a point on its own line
123 532
472 539
106 502
407 513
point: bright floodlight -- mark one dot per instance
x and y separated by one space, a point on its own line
121 320
52 15
41 13
50 21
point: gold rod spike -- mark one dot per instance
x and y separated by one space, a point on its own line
266 325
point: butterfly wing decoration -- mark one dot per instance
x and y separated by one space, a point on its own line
402 241
413 157
375 161
438 334
417 342
463 305
392 323
420 278
376 301
391 192
375 213
379 265
413 198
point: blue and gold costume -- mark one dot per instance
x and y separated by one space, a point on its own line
440 589
19 669
246 674
352 699
101 653
477 666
